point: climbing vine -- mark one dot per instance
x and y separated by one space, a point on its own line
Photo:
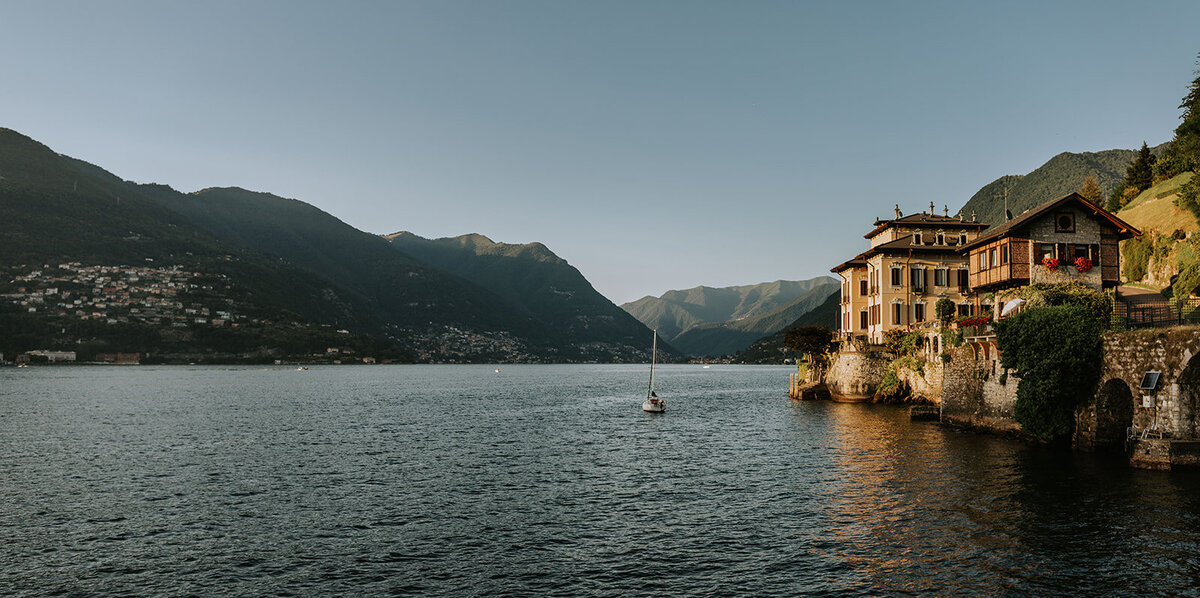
1056 353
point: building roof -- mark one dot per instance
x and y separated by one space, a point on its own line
902 245
923 220
1124 229
854 262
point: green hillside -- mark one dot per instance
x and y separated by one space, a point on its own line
770 349
540 285
1059 176
274 265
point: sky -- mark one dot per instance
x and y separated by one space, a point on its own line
654 145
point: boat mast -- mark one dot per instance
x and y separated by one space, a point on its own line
653 355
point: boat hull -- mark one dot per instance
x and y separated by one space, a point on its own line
654 406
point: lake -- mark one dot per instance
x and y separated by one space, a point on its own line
548 480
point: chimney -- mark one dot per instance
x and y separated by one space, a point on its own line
931 208
972 215
898 214
946 210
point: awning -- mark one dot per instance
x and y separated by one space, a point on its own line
1010 306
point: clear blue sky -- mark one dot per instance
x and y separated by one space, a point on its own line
654 145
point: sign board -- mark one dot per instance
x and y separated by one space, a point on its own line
1147 401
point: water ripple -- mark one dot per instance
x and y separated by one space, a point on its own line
548 481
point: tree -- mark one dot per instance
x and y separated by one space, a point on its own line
1056 352
1090 190
813 341
1140 172
944 308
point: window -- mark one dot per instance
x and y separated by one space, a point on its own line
919 312
918 280
1079 251
1046 250
916 238
1064 222
992 256
862 319
963 280
1003 254
897 277
983 260
897 308
962 238
941 238
941 277
862 288
964 309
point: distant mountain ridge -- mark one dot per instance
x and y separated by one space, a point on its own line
771 350
542 286
285 257
706 321
1059 176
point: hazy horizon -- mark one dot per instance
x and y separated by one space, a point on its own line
654 146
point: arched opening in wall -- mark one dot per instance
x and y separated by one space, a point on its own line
1114 413
1189 400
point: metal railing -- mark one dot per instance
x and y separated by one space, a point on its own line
1156 314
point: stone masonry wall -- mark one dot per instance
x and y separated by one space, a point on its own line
973 394
925 388
855 375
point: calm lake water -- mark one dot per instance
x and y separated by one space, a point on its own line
548 480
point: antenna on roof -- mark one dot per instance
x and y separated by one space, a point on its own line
1007 214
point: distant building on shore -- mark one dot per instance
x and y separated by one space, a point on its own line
52 356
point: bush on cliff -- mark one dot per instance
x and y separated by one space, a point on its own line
1057 354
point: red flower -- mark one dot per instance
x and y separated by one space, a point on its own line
1083 264
1051 263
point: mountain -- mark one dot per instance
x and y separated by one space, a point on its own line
718 321
1059 176
278 267
770 348
540 285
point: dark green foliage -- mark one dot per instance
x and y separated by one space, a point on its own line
1188 280
945 309
1136 254
813 341
1183 154
1056 352
1113 201
1098 303
1139 174
901 342
1189 196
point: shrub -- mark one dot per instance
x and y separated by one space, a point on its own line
1136 252
1057 354
944 308
1073 292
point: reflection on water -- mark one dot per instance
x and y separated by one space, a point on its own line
548 480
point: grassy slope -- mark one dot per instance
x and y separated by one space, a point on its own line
1154 209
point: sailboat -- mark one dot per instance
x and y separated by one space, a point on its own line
653 404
